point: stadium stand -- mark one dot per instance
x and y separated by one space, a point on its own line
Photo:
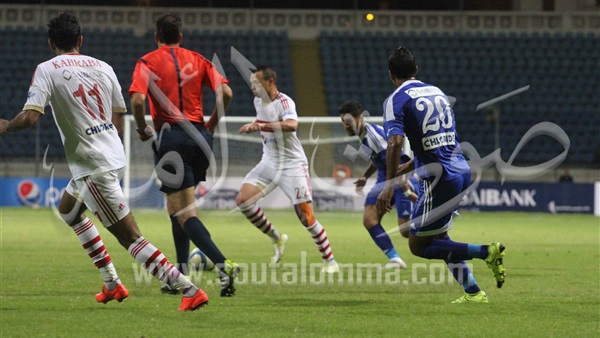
121 49
562 70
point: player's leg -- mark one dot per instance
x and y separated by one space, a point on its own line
186 156
295 183
105 198
305 213
257 184
372 222
72 211
432 218
181 204
182 245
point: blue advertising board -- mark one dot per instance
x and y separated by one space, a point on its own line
531 197
31 191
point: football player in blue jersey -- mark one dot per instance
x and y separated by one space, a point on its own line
374 142
422 113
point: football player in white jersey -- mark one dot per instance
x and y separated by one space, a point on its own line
85 96
283 165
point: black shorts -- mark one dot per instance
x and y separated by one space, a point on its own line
181 157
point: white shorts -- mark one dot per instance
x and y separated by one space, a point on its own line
295 182
102 194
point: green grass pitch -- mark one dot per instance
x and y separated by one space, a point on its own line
552 287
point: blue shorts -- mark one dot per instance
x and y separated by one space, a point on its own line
402 203
432 213
180 161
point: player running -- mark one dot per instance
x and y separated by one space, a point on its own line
373 138
172 77
423 114
283 165
85 95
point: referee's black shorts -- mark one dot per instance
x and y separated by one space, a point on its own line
181 156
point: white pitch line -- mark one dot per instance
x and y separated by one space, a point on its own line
501 97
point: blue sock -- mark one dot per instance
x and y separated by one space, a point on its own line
382 240
182 245
463 276
391 253
478 251
201 238
452 251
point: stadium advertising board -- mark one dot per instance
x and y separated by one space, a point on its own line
31 191
327 195
532 197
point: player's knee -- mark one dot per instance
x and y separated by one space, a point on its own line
415 248
184 217
404 233
368 223
417 251
71 217
240 200
305 214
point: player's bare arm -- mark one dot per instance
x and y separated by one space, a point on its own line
138 107
393 152
287 125
361 182
224 96
25 119
118 121
405 167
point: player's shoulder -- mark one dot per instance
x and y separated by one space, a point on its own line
66 60
284 101
416 89
373 128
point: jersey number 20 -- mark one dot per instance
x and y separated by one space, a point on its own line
442 106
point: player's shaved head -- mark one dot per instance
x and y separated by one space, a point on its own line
401 64
351 107
168 29
64 31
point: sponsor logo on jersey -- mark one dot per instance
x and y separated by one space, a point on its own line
29 193
423 91
67 75
99 128
439 140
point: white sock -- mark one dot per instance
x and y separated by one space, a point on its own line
90 240
319 236
257 217
157 264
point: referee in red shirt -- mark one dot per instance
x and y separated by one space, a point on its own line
172 78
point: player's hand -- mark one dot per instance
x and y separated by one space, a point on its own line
3 126
250 127
146 134
360 184
384 200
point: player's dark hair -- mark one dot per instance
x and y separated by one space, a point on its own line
267 72
64 31
168 29
351 107
401 64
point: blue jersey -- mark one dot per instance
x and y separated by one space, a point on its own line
374 139
421 112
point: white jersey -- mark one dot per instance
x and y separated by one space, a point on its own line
280 149
83 93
